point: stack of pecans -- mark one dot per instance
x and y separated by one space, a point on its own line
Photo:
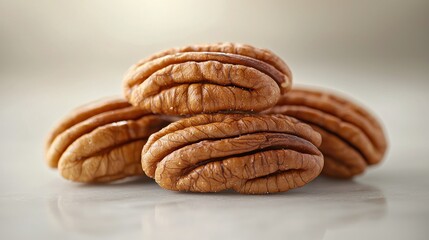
207 118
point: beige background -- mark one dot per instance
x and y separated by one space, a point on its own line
55 55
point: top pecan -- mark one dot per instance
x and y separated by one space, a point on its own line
207 79
101 141
250 153
351 137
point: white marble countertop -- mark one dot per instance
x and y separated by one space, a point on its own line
384 204
56 55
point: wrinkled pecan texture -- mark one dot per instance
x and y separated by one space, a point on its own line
101 141
208 79
249 153
352 138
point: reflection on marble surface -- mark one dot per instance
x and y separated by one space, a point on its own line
142 207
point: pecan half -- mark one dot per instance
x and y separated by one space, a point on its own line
101 141
250 153
352 138
206 79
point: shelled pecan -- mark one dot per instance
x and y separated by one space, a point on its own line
352 138
250 153
101 141
207 79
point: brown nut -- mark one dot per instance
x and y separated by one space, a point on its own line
207 79
250 153
101 141
351 137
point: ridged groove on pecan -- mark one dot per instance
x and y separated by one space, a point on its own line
75 126
209 153
340 159
109 152
264 55
244 50
217 126
192 87
342 108
349 133
141 73
266 66
84 112
114 164
275 154
360 133
102 141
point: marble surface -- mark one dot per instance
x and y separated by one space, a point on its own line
382 205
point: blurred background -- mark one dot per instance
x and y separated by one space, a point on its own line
56 55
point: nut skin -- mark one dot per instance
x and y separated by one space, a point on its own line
101 141
352 138
249 153
189 80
